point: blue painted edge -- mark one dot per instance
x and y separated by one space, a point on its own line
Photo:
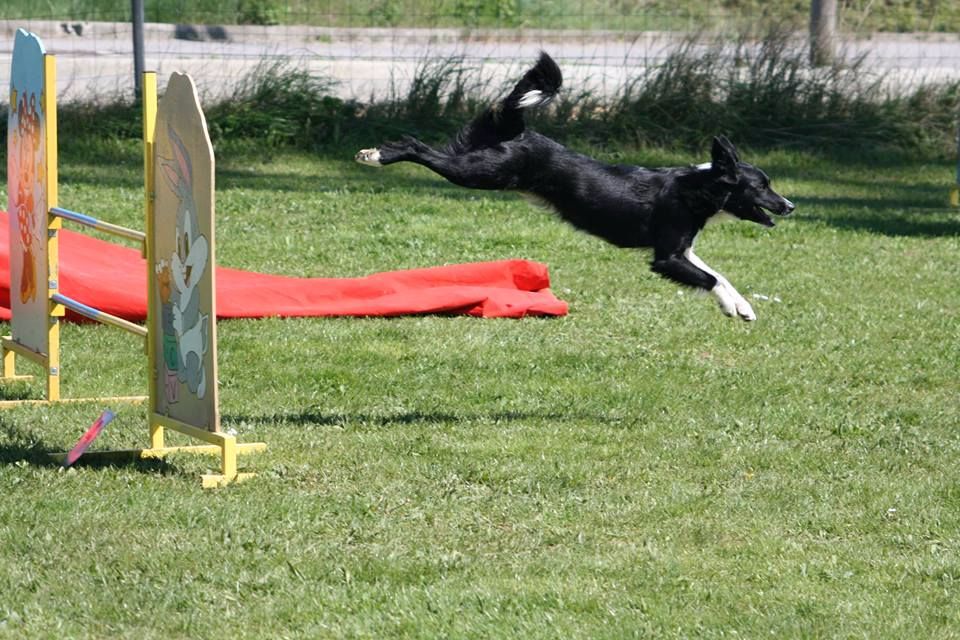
73 215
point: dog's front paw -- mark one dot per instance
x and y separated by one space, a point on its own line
732 303
726 301
745 311
369 157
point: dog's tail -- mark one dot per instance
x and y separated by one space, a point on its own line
504 120
538 86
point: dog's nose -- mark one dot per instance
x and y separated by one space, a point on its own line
788 207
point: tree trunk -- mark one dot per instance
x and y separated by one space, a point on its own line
823 32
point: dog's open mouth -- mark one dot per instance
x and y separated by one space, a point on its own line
762 214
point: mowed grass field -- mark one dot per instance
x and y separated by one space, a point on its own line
644 467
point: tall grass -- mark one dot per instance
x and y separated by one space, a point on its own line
760 92
766 93
440 95
281 105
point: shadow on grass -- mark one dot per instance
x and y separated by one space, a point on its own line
19 447
889 217
20 390
316 417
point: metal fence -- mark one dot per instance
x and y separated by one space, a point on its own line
365 60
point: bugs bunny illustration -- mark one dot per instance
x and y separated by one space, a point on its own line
185 328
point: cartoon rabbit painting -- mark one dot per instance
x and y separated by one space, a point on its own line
185 328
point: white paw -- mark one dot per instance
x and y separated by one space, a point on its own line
368 156
745 311
732 303
728 304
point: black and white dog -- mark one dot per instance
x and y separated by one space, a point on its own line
628 206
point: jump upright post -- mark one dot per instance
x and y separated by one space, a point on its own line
178 245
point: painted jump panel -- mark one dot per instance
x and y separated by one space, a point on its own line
182 277
31 175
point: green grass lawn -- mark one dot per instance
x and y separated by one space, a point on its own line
644 467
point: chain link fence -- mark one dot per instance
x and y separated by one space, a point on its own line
374 48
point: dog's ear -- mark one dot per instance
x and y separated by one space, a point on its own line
723 140
724 159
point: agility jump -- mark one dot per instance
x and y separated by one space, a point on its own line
178 245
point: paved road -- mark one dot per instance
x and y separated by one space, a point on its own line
95 58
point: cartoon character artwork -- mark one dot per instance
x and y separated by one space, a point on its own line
26 167
185 328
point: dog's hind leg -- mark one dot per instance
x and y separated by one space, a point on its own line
409 149
474 170
727 296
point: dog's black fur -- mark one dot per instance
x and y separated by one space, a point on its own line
626 205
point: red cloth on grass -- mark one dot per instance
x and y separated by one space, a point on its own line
112 278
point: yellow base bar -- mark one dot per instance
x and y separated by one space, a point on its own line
205 449
16 403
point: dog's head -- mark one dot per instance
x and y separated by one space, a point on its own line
750 195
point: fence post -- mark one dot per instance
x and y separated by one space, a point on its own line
955 190
136 10
823 32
